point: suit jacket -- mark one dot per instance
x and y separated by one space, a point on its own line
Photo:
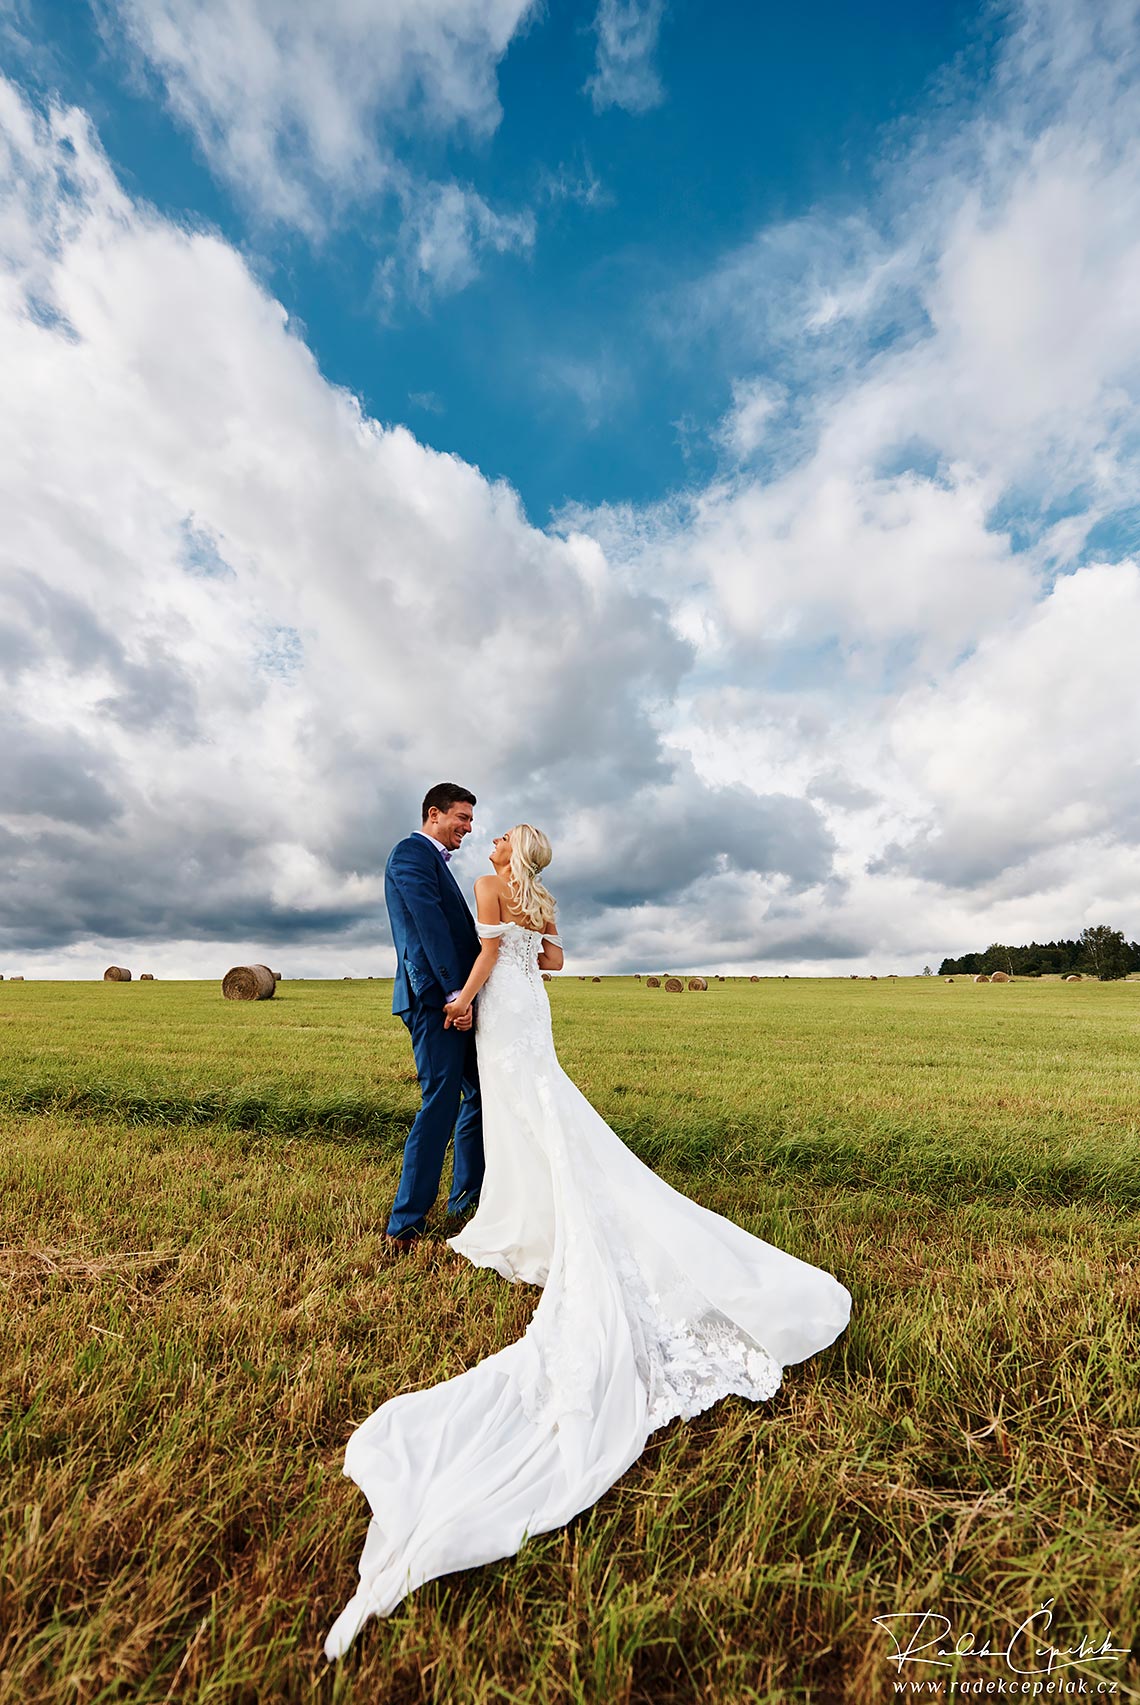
432 927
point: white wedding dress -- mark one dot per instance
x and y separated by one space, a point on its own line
652 1307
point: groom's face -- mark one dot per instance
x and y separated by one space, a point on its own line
450 826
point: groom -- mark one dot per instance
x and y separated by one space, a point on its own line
436 946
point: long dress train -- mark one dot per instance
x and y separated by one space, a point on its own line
652 1307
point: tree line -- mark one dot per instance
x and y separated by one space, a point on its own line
1097 952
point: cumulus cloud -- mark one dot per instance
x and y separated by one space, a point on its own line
244 626
861 700
892 593
625 75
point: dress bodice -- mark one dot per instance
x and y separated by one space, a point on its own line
519 947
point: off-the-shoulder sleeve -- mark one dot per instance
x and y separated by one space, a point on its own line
487 932
556 939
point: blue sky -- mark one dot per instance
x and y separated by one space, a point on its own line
766 113
708 432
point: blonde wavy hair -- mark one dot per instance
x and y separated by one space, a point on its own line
530 854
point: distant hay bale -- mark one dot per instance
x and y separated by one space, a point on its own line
873 978
1073 977
637 976
146 976
653 982
116 974
595 979
15 979
753 979
249 983
719 978
1000 977
949 979
854 976
545 977
276 975
581 979
981 977
698 983
674 986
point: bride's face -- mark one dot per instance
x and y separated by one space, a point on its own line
501 851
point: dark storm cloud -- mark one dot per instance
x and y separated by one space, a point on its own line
50 773
57 888
662 841
817 944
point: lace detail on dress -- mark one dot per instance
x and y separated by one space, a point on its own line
512 1015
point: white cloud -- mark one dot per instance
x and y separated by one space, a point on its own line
860 702
1033 744
754 403
446 230
244 627
297 106
625 75
872 593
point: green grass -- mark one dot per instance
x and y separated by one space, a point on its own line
198 1307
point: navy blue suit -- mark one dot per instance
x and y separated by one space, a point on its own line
436 946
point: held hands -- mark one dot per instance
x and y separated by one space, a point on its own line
459 1014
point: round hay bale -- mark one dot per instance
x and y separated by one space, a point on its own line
982 977
146 976
698 983
116 974
873 978
949 979
595 979
854 976
249 983
653 982
637 976
581 979
545 977
277 977
1074 977
674 986
753 979
1000 977
15 979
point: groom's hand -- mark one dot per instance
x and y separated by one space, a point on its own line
461 1018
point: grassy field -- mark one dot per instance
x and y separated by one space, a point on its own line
198 1307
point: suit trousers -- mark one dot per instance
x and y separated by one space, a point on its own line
449 1088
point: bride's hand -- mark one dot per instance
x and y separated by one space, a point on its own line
458 1013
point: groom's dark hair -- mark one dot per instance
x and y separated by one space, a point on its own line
443 796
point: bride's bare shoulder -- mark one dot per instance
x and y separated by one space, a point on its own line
491 890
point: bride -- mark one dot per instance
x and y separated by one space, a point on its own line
652 1307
